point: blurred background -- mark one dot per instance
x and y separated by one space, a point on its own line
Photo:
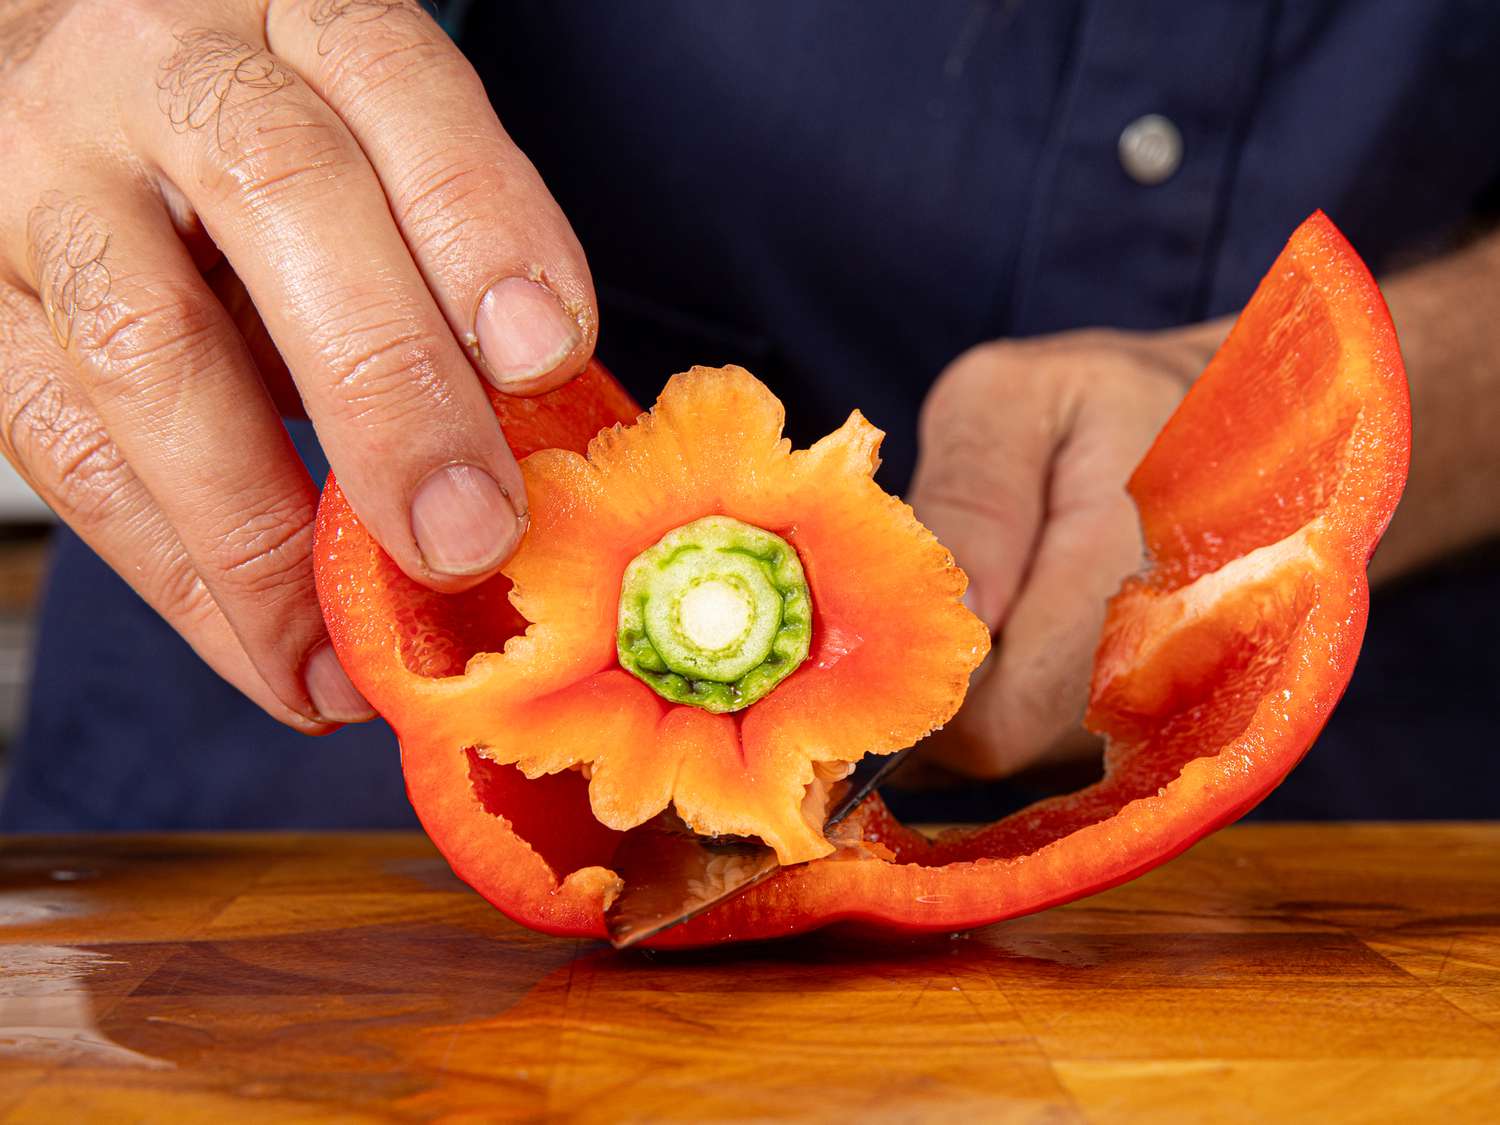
910 182
25 524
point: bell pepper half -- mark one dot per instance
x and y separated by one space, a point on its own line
701 617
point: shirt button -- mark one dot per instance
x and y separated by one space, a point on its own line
1150 149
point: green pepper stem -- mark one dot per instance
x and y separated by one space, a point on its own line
715 614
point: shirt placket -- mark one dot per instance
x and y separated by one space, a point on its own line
1132 189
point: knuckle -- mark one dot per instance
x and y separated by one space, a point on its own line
263 133
210 76
283 152
297 156
30 412
340 24
81 470
136 336
61 447
980 464
265 552
370 61
959 445
179 594
383 373
1001 404
90 470
147 340
1092 341
985 358
66 249
976 374
434 202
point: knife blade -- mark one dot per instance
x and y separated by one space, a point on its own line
671 874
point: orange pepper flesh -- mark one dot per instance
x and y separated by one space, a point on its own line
1261 502
895 646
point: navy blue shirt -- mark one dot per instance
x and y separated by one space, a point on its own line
843 197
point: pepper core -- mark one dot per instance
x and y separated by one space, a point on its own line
715 614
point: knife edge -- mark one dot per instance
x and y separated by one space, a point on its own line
674 875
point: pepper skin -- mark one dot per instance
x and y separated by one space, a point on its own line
1260 502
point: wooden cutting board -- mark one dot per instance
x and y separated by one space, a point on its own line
1346 973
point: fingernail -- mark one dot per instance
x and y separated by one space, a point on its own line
523 331
463 521
335 697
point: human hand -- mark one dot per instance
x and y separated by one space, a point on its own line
212 209
1026 446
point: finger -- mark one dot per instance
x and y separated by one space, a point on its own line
985 452
1035 689
52 436
495 249
231 292
287 194
1027 707
173 385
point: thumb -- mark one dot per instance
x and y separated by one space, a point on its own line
981 477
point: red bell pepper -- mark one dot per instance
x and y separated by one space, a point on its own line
1261 502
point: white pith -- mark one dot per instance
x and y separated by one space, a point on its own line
1296 550
1162 618
713 615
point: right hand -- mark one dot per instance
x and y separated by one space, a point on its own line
212 209
1026 448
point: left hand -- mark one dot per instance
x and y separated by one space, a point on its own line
214 209
1026 446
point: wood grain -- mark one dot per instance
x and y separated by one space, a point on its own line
1347 973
